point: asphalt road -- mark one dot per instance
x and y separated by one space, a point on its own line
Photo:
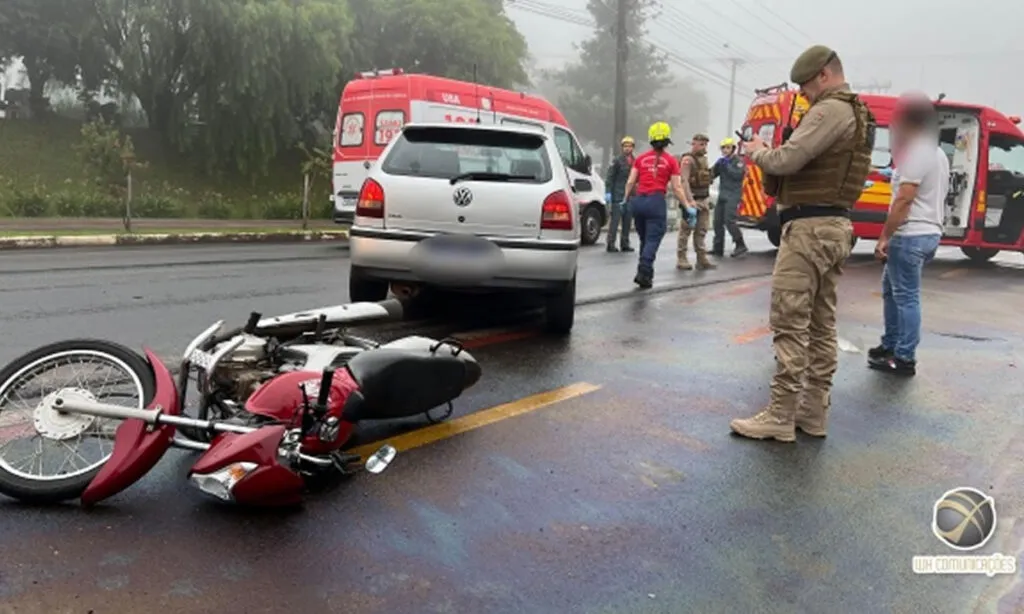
627 497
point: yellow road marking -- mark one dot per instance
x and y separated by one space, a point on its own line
437 432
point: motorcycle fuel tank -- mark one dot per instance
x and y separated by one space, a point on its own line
282 399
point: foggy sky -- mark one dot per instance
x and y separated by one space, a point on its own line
972 52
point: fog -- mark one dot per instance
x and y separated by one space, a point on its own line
971 52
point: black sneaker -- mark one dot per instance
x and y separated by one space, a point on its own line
879 352
896 366
612 248
740 251
626 248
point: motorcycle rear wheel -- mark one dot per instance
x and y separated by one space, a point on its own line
58 428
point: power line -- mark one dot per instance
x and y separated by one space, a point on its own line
545 10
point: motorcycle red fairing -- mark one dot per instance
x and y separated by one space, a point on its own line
269 483
282 399
137 449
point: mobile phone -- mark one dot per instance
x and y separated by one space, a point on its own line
740 134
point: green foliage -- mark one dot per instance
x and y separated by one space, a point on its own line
231 87
441 37
587 92
107 156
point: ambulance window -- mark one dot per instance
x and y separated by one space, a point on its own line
567 147
352 126
880 155
766 132
388 124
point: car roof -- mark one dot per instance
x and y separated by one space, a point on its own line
538 131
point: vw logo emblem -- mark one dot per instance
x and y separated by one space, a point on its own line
462 197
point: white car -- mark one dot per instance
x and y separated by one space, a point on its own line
468 207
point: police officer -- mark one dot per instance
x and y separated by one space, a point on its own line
729 170
816 177
615 183
696 179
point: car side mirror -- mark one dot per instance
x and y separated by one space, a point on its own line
588 164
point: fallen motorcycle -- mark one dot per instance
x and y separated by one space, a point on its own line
278 400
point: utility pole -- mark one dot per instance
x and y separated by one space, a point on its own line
734 64
621 55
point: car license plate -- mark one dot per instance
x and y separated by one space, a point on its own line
201 359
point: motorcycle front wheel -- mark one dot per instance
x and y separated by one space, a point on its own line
45 454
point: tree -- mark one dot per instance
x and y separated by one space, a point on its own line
441 37
589 103
228 80
43 33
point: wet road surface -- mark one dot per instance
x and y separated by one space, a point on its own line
628 496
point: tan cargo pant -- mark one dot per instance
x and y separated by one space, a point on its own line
699 232
803 313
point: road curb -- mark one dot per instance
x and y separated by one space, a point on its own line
53 241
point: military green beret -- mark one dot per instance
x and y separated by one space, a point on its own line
810 63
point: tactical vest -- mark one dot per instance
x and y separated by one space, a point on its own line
836 177
700 176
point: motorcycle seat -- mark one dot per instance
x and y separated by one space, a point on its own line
400 383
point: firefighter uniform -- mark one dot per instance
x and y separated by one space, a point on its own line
816 177
698 176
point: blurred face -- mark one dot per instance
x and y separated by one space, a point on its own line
700 146
728 150
627 148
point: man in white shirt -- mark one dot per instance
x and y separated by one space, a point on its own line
913 229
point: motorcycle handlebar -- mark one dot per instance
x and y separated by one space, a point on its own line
325 387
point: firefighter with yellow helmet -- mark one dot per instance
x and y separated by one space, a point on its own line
617 198
729 170
653 173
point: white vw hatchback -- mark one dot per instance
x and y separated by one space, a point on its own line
470 208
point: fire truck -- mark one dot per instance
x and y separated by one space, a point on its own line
985 208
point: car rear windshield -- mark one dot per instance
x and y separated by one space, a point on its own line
449 152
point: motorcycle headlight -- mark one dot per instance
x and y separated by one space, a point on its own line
220 482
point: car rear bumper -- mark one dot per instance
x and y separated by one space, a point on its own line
526 264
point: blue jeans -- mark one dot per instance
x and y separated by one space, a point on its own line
901 292
650 215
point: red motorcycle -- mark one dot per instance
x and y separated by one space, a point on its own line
278 400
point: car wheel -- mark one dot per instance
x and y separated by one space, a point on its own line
853 242
361 289
979 254
591 225
561 310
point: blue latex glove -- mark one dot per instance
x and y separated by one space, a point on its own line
691 216
608 197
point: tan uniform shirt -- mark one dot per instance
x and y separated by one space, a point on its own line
823 125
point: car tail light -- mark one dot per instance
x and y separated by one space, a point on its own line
371 200
556 214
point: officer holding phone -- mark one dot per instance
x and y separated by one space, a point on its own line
816 176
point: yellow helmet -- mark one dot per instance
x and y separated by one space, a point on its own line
659 131
727 142
627 140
